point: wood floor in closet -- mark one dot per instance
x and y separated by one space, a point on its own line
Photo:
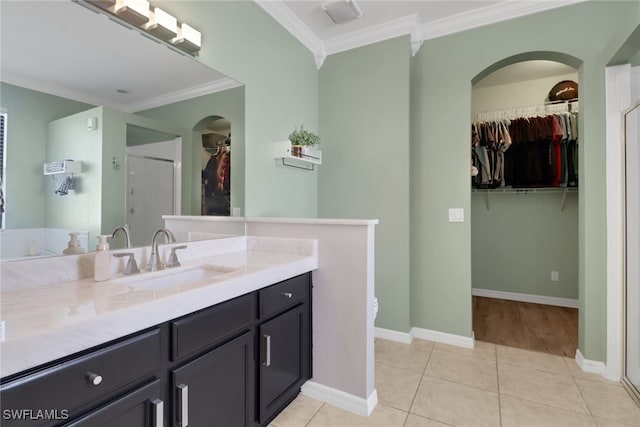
537 327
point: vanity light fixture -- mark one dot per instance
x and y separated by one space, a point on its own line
162 24
342 11
188 39
133 11
140 15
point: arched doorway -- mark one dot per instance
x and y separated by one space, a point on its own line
524 208
215 132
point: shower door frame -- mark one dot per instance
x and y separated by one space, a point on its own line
633 389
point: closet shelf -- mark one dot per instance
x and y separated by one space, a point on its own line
547 190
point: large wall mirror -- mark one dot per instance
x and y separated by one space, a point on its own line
77 85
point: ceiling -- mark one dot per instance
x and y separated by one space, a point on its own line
381 20
90 68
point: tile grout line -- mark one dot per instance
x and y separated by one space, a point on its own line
315 414
498 387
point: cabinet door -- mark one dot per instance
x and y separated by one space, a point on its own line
284 361
139 408
217 389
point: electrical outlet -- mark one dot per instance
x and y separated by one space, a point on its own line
555 276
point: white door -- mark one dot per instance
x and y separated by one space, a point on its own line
150 194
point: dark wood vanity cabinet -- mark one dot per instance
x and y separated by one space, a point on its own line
106 381
238 363
285 344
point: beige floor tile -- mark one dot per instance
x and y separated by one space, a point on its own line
456 404
532 359
540 386
608 423
423 343
298 413
382 416
414 420
404 356
522 413
609 402
463 369
481 349
396 387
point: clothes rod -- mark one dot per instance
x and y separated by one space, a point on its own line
527 111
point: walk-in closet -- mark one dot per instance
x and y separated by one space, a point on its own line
524 207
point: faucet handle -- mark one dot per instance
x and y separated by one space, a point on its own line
173 257
132 265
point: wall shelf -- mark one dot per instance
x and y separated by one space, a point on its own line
309 159
509 190
62 167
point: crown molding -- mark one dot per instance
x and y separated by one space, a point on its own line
283 15
418 31
489 15
182 95
374 34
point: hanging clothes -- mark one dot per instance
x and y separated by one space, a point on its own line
526 152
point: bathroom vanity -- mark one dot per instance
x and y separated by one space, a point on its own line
237 359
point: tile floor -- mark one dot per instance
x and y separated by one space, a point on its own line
428 384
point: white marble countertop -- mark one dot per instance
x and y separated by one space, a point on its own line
45 323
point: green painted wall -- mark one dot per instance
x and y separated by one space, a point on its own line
28 113
441 260
69 138
520 239
228 104
364 124
281 92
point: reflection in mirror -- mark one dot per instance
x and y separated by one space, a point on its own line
79 108
216 166
153 181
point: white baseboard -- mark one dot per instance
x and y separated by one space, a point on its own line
536 299
591 366
424 334
391 335
443 337
339 398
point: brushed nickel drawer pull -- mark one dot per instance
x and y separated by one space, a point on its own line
183 405
157 413
94 379
267 349
287 294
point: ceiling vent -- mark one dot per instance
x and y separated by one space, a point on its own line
342 11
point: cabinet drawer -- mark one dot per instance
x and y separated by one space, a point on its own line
204 329
91 378
284 295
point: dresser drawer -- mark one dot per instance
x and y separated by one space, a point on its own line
284 295
64 388
204 329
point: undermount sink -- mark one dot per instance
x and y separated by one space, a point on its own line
168 279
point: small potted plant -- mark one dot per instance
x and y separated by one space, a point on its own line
302 138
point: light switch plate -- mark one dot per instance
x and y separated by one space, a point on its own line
456 214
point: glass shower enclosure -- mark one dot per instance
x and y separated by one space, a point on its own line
631 378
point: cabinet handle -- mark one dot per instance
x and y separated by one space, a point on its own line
183 405
287 294
157 413
267 349
94 379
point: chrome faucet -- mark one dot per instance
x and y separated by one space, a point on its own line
127 235
154 260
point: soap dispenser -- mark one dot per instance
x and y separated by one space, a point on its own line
74 245
102 268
